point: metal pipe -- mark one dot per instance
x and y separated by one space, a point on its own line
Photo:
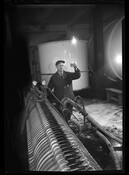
114 156
93 122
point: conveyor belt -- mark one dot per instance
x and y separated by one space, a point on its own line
52 145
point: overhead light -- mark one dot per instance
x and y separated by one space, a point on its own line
74 40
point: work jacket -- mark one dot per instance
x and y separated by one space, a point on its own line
62 85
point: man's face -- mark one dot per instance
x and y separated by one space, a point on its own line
60 67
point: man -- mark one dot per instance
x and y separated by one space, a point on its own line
61 81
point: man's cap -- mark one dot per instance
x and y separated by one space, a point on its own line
59 61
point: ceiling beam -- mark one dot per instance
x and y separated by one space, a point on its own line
53 5
76 17
46 15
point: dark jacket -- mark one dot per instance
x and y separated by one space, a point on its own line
62 85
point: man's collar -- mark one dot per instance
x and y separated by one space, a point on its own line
60 73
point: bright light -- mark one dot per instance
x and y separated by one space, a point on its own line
119 59
43 82
74 40
34 83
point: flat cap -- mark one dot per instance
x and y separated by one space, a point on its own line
59 61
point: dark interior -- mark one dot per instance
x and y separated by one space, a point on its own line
24 25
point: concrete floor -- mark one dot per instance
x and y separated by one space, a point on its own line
107 114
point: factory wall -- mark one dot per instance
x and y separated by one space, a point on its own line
35 38
110 45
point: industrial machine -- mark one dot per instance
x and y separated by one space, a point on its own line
55 144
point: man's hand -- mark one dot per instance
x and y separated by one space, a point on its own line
73 64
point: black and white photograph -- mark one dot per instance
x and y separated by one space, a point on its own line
63 86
